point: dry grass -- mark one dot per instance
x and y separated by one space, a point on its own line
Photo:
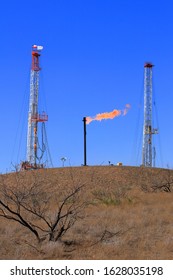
125 218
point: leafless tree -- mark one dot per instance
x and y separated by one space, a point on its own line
161 184
28 203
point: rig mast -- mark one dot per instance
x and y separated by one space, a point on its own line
32 160
148 131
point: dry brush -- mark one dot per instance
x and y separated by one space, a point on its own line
47 215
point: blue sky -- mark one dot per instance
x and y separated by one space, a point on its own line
92 62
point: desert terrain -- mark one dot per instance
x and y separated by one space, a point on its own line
127 214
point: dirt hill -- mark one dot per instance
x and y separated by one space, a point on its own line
128 214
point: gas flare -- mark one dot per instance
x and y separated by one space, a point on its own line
108 115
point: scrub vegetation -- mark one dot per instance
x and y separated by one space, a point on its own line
91 212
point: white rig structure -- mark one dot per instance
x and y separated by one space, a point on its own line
148 131
32 159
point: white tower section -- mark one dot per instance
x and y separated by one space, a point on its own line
32 120
148 131
33 116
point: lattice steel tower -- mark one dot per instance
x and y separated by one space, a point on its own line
33 116
148 131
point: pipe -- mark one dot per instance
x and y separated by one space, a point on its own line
85 156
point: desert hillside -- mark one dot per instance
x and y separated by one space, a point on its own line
127 213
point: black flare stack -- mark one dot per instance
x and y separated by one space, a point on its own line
85 156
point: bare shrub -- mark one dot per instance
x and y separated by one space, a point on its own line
47 215
160 185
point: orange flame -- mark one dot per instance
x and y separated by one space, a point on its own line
110 115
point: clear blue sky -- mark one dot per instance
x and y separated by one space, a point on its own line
92 62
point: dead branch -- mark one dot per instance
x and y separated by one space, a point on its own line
29 205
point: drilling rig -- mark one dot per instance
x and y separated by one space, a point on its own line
148 131
33 160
